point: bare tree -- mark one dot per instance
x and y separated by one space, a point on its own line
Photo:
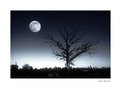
70 46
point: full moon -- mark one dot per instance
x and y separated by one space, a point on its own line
35 26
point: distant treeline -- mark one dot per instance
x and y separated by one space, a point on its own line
28 72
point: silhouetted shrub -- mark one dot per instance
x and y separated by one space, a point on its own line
27 67
14 67
14 70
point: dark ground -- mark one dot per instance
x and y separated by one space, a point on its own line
28 72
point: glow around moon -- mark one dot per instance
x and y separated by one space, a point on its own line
35 26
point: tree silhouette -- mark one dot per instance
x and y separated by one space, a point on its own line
70 46
14 67
27 67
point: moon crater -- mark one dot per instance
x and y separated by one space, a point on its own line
35 26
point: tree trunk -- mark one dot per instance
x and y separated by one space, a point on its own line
67 63
68 66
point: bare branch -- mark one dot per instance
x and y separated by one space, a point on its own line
53 42
83 49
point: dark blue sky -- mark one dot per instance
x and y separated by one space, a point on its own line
27 47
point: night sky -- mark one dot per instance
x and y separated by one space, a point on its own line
28 47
